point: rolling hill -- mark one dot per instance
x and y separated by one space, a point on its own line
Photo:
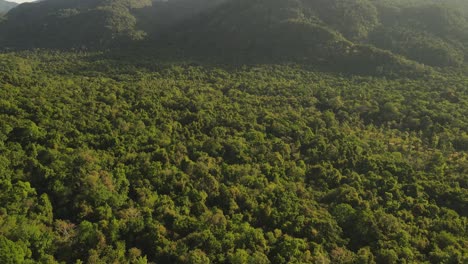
378 33
71 24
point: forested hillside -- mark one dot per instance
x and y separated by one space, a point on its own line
378 34
71 24
109 162
234 131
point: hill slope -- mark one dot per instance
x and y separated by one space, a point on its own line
373 34
434 33
281 31
71 24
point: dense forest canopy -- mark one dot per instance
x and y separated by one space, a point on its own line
234 131
112 162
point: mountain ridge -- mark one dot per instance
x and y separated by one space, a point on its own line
375 33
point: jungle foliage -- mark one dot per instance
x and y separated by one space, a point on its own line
234 131
107 161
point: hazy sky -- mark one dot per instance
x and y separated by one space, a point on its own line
22 1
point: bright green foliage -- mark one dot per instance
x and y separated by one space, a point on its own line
104 161
10 253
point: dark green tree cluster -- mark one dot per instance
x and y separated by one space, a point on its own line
83 24
353 18
434 33
110 162
418 46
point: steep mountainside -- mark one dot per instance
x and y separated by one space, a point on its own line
379 35
432 33
285 30
163 14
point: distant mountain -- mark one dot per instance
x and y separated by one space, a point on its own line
92 23
72 23
374 34
282 30
430 32
163 15
5 6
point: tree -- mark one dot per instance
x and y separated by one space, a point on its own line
11 252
